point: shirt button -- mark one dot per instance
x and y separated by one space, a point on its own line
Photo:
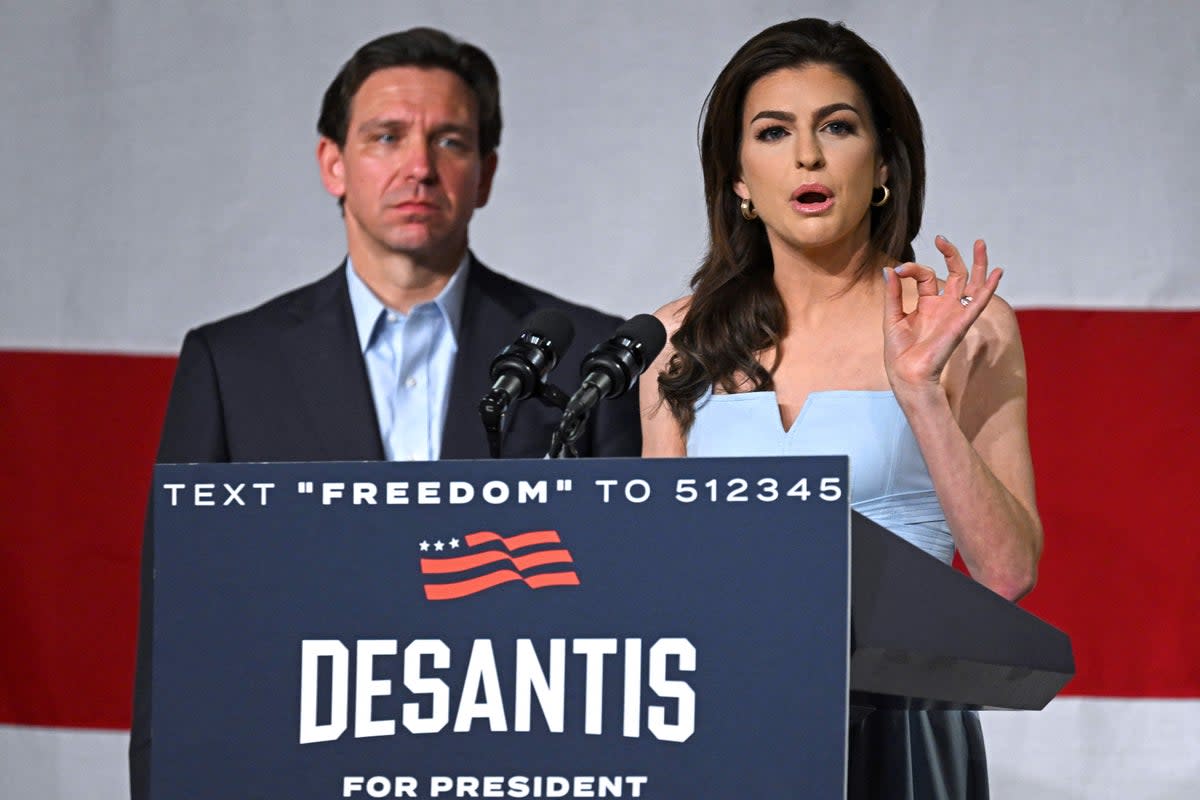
411 382
391 317
416 456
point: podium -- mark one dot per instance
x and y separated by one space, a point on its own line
593 628
927 636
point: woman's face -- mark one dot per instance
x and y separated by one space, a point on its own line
810 159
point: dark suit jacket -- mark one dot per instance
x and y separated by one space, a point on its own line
287 382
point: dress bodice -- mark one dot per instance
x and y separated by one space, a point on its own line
889 482
894 753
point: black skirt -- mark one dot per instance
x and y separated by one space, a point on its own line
917 755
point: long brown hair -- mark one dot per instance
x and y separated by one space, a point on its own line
735 311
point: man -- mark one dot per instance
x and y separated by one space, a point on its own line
387 356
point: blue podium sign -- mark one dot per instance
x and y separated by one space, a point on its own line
523 629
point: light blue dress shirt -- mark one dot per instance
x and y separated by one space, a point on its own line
410 363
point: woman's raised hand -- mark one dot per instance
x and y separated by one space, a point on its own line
918 344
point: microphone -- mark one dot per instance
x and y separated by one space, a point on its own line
612 368
520 369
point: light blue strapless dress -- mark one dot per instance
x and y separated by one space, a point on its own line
900 755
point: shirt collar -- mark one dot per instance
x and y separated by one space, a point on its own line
368 309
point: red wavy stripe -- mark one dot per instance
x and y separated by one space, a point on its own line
552 579
514 542
442 566
453 591
543 557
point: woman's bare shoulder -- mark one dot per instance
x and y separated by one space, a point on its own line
988 368
996 329
662 435
671 315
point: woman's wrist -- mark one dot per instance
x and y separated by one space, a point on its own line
920 398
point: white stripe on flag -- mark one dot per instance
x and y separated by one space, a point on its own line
63 763
1095 748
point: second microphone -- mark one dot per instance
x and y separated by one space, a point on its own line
611 369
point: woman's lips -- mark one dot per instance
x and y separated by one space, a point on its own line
812 206
812 198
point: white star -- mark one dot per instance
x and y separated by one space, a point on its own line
424 546
454 544
438 545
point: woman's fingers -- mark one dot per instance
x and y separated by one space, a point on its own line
979 268
927 283
977 295
983 292
972 288
956 279
893 303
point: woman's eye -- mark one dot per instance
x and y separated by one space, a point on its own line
771 134
840 127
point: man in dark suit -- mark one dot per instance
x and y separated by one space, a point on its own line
387 356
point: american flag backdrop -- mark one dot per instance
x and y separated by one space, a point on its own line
159 173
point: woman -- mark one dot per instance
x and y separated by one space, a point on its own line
810 330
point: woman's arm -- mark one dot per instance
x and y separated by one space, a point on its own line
967 408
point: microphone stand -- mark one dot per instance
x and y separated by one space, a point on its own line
574 422
562 441
492 410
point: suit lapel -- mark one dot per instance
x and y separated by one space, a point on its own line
492 313
323 353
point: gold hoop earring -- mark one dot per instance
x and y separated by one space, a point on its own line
887 195
748 212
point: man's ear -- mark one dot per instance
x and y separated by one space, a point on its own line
487 172
333 169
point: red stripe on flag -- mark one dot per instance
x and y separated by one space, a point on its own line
453 591
79 434
457 589
542 558
514 542
462 563
442 566
552 579
1113 403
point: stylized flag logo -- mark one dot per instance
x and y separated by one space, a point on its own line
491 560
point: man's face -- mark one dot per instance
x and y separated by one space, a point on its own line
411 172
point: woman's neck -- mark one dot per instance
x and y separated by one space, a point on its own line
808 280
